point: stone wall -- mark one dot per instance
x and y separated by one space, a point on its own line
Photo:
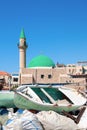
50 76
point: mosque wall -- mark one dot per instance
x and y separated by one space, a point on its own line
42 75
50 76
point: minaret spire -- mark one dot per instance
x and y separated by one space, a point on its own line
22 35
22 50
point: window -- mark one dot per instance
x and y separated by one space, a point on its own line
49 76
42 76
15 79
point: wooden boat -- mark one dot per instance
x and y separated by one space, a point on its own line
46 98
7 99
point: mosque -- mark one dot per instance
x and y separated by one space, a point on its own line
42 69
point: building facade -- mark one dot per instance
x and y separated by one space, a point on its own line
14 79
4 79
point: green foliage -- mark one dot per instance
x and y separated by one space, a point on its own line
14 87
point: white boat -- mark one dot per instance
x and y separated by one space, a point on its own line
48 98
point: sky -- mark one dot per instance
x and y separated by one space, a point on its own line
55 28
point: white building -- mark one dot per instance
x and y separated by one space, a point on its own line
14 79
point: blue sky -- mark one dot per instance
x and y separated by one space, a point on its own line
55 28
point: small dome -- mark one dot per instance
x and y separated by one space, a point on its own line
41 61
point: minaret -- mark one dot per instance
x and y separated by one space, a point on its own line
22 51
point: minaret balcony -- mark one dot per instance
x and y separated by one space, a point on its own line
22 46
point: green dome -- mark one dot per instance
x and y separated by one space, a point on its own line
41 61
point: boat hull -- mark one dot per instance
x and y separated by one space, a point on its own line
24 102
7 99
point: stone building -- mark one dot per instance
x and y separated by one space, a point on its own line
42 69
4 79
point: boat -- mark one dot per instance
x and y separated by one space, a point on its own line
44 98
7 99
